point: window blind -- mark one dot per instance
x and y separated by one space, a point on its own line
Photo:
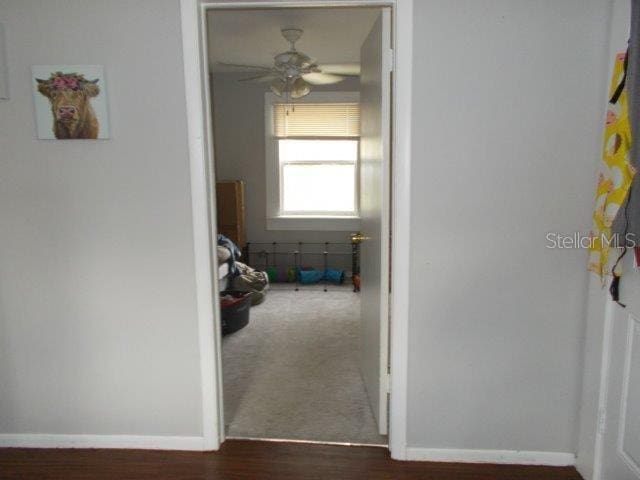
316 120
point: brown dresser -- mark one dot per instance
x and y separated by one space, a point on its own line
230 211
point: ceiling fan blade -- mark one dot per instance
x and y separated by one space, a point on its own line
322 78
346 69
278 86
263 77
237 65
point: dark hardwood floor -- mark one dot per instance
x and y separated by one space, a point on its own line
252 460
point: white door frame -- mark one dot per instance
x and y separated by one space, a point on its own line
603 390
193 14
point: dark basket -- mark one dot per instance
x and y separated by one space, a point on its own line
235 317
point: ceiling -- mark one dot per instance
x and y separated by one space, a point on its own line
331 35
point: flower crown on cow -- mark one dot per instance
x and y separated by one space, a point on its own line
66 81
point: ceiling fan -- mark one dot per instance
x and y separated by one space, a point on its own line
293 72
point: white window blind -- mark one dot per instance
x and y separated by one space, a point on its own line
314 120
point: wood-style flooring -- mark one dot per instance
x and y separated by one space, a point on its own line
240 459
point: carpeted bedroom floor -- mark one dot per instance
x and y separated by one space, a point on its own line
292 373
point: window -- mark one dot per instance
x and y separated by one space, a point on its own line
318 176
312 162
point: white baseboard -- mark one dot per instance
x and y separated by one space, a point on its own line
509 457
143 442
146 442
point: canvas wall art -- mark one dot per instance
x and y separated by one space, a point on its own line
70 102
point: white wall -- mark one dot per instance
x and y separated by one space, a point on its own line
597 297
508 107
98 330
98 327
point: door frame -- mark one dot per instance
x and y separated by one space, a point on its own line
200 140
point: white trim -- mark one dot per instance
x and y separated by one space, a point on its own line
605 372
146 442
239 4
506 457
196 85
330 224
401 177
401 227
206 78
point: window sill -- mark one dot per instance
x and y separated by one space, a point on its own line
326 223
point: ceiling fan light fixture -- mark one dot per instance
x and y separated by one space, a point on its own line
294 73
299 88
293 58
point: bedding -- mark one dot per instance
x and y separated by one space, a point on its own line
223 272
234 253
236 275
252 281
223 267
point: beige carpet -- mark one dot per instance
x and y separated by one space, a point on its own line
292 373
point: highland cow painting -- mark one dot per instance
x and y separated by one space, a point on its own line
70 102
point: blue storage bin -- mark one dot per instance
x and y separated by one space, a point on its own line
334 276
309 276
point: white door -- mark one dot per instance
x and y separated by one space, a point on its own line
375 102
620 421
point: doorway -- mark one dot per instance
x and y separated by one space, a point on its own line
302 162
194 14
